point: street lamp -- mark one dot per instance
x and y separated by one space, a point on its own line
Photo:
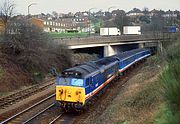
108 13
30 6
89 12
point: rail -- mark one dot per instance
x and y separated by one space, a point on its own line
53 121
103 39
38 113
27 109
13 98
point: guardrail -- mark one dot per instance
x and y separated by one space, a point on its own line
111 39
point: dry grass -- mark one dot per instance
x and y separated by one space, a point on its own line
2 72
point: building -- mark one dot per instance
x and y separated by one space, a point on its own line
135 12
170 14
81 24
153 12
38 22
59 25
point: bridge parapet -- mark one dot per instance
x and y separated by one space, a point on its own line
111 39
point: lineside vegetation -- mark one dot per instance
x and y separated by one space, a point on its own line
169 112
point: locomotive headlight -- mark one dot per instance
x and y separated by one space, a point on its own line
78 92
61 91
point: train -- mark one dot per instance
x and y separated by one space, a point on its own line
77 86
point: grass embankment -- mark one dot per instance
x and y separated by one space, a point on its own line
67 35
27 57
169 112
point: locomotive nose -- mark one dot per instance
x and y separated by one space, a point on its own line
70 94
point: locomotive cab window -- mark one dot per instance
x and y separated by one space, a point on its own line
77 82
63 81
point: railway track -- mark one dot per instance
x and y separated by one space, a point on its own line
15 97
56 119
31 112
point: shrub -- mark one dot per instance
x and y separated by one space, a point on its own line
170 80
31 48
166 116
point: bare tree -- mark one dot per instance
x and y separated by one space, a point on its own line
34 50
7 10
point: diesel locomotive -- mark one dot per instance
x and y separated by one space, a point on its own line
76 86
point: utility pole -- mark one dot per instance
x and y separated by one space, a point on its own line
29 7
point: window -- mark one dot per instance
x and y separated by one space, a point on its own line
77 82
62 81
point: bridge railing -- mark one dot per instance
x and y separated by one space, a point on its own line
111 39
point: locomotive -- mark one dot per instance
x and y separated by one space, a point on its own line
76 86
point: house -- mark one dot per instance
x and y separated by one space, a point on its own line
38 22
118 12
82 24
153 12
135 12
169 14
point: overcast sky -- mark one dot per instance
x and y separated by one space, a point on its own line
65 6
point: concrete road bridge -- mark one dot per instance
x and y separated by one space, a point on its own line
114 44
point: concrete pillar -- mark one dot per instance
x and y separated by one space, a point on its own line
160 47
109 51
141 45
105 51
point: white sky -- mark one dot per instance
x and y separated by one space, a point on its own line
65 6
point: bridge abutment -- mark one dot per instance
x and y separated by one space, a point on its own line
141 45
109 50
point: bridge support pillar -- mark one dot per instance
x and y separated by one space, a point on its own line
141 45
160 47
109 51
